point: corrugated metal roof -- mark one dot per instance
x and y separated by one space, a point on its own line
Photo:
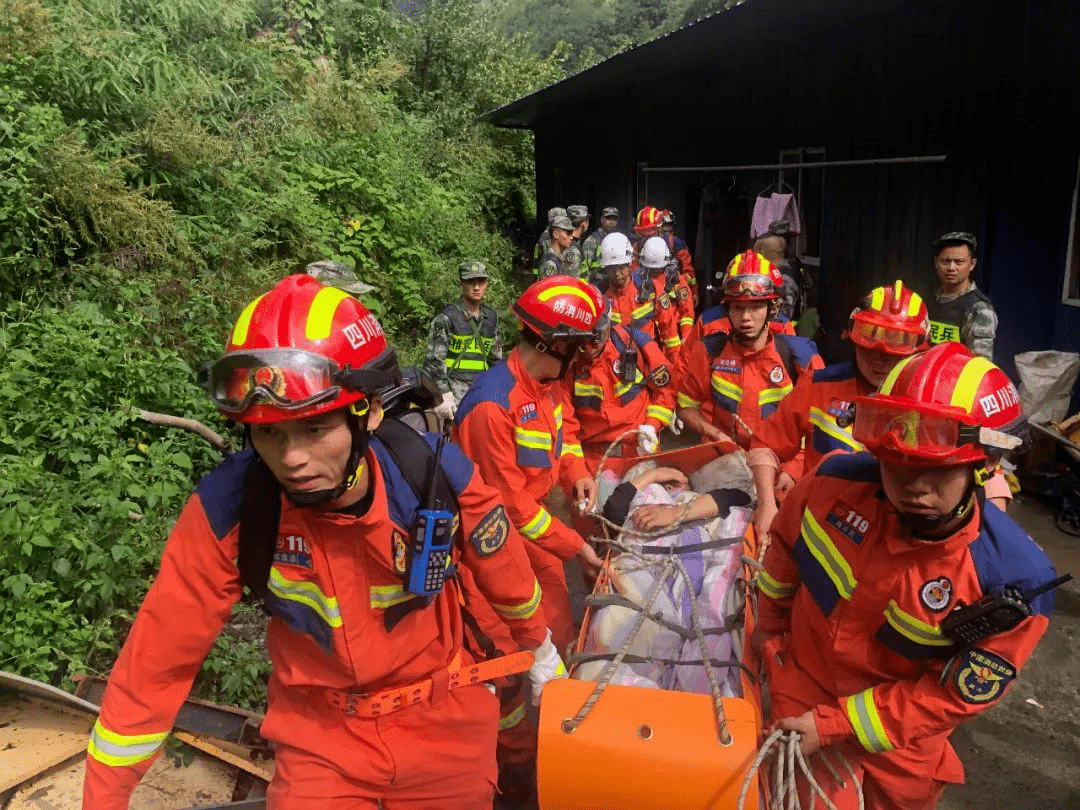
751 24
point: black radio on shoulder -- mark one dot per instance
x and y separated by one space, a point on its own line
968 624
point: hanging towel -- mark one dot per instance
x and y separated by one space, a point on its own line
770 207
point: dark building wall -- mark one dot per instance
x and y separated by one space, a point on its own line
992 86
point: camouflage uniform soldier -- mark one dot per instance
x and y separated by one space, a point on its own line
590 248
959 311
464 340
336 274
575 256
554 262
543 242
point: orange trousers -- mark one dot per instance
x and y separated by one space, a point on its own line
911 778
436 755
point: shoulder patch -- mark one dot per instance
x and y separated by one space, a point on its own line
835 373
980 676
861 467
660 376
491 532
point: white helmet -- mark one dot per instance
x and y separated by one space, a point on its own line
655 254
615 250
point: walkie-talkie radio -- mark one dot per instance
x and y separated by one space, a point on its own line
628 364
969 624
432 539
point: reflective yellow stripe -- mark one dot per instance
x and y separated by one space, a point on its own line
306 593
616 317
864 717
566 289
660 414
726 388
673 342
827 424
120 750
686 321
536 439
774 588
243 323
512 719
686 402
466 365
877 299
913 305
538 525
384 596
832 561
768 396
526 610
585 390
572 450
321 314
642 311
914 629
968 382
890 379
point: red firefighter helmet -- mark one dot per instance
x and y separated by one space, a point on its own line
943 406
648 221
890 319
564 308
298 350
752 277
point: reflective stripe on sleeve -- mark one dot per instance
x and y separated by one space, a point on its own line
774 588
121 750
687 402
306 593
526 610
538 525
661 414
864 718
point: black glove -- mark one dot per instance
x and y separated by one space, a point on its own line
727 498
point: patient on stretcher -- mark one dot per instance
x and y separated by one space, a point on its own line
705 536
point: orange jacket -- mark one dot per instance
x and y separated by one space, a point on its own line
724 380
680 251
521 436
605 406
333 577
860 602
636 305
807 418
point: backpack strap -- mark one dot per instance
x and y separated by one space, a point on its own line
416 460
260 514
784 350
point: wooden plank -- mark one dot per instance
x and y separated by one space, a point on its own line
35 735
234 755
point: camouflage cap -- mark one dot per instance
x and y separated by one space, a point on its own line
337 274
563 223
467 271
610 211
956 238
556 212
578 212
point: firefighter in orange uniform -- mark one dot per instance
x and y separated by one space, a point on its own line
372 701
680 251
513 423
730 383
673 312
889 324
622 382
871 554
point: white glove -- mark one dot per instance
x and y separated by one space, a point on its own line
647 441
548 666
676 426
445 410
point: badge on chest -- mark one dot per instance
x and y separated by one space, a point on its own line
848 521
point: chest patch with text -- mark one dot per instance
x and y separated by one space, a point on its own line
847 520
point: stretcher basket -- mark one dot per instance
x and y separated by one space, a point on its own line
612 747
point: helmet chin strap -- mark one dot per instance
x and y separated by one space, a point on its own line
927 527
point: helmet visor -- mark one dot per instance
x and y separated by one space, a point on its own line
749 286
886 339
289 379
907 428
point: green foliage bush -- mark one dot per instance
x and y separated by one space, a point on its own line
160 164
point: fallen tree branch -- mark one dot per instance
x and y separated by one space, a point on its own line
167 420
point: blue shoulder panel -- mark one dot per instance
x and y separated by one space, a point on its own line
835 373
1004 554
640 338
802 349
401 501
861 467
713 314
493 385
715 343
220 490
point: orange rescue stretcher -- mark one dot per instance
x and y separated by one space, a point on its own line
649 749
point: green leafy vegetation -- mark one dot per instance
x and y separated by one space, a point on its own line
160 164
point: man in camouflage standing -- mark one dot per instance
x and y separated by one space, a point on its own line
574 257
959 311
556 261
543 241
463 341
590 248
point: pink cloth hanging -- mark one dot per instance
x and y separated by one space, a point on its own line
770 207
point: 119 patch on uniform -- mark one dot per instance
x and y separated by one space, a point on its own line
981 676
490 533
